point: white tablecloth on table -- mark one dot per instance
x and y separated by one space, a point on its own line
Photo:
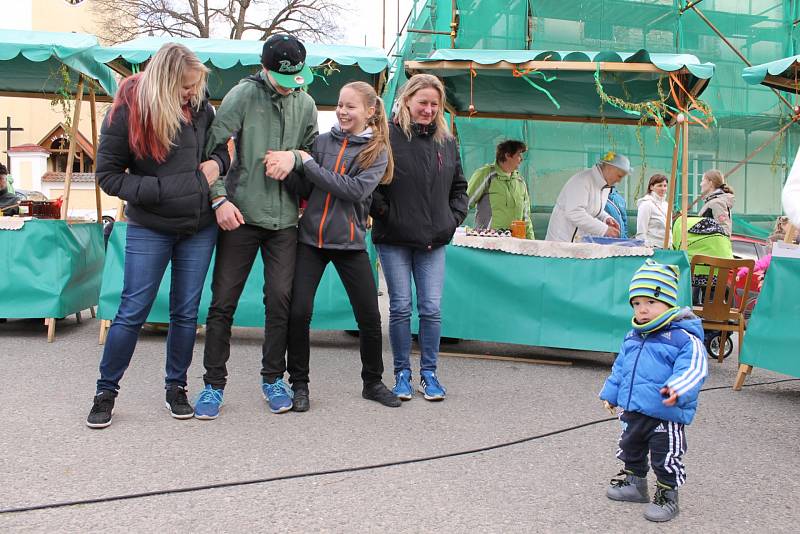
13 223
549 249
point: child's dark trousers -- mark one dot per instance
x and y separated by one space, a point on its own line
664 440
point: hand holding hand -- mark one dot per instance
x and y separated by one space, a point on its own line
279 164
229 217
671 396
210 170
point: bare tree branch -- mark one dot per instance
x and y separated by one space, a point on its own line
122 20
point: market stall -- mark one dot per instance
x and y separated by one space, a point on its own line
770 341
230 61
52 267
562 298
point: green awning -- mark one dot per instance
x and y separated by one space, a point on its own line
779 74
555 85
30 63
231 60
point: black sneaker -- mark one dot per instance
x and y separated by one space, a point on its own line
102 410
301 402
177 403
378 392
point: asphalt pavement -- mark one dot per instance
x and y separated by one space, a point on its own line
497 455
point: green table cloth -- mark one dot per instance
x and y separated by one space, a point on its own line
770 341
332 309
50 268
549 302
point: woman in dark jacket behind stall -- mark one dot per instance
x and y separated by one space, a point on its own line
151 155
415 216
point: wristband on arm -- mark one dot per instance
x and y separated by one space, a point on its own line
218 203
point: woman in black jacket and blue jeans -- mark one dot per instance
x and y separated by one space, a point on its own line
151 155
415 216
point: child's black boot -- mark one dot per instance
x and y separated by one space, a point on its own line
664 506
628 487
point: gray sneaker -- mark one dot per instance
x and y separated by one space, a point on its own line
664 506
628 487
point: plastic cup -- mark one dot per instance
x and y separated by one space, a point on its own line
518 229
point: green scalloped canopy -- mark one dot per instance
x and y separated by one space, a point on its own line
30 62
780 74
500 91
231 60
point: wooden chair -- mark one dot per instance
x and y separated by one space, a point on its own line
718 310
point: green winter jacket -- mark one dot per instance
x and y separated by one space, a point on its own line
500 197
261 119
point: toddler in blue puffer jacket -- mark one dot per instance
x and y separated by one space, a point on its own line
655 380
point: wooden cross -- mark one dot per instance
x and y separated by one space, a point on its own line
8 129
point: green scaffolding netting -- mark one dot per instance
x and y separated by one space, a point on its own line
746 115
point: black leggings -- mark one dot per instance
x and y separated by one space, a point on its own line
354 270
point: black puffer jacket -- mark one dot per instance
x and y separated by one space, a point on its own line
427 198
172 196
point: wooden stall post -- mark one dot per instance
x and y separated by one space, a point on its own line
93 115
73 135
685 185
673 185
98 199
50 321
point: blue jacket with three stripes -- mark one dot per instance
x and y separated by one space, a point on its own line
673 357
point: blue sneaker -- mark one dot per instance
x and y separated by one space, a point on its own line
278 395
402 385
208 403
430 387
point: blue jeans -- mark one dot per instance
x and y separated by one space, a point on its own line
427 267
147 253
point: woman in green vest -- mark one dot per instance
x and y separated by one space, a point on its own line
500 192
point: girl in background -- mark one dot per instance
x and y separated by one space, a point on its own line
718 199
651 218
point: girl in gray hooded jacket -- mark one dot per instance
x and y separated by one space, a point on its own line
338 179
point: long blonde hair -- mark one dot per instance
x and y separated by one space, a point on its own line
158 98
403 115
717 180
380 130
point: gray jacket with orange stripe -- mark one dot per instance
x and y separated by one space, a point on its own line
338 189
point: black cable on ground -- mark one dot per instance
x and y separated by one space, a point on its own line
189 489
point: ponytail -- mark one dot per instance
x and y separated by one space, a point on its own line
717 180
379 142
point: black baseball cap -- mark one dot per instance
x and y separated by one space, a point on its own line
284 57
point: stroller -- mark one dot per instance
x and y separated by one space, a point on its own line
705 236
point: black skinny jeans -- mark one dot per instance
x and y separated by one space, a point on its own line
354 270
236 252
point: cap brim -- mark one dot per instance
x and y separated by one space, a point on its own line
623 169
293 81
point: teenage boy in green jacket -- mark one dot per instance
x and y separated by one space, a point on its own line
264 112
500 192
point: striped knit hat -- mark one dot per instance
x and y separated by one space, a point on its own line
656 281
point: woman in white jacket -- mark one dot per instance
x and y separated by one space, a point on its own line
791 193
651 219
